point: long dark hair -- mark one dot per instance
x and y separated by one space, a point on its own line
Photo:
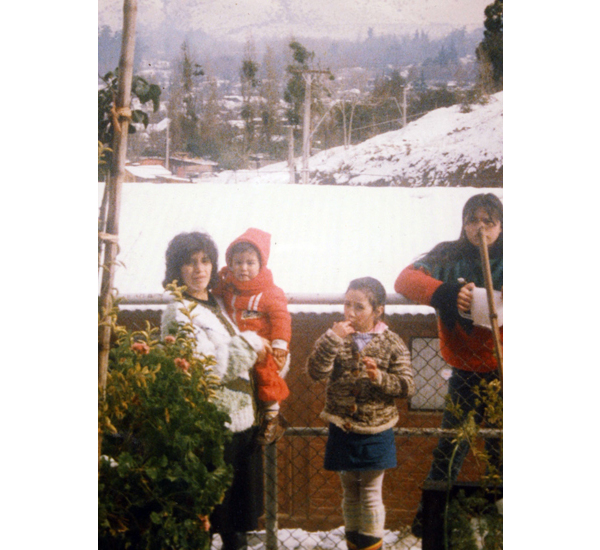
180 251
373 290
451 250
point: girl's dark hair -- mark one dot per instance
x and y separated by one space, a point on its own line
244 246
180 251
451 250
372 288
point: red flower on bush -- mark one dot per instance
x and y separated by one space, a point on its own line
141 348
182 363
204 522
169 339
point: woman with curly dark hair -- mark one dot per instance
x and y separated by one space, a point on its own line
192 262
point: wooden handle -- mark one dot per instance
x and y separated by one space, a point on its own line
489 286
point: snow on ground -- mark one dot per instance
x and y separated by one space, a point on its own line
438 144
297 539
446 146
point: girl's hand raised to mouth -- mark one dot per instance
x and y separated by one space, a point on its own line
343 328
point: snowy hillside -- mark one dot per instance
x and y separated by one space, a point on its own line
445 148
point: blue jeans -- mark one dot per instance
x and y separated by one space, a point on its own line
460 392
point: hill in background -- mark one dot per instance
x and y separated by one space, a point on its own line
449 147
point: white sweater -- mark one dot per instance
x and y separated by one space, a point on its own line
235 356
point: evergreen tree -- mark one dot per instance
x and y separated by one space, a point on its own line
294 92
269 109
303 73
249 84
182 105
490 50
211 141
386 99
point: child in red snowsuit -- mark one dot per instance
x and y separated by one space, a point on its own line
254 303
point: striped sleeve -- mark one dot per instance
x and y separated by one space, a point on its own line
321 359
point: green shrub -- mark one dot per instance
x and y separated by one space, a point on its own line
162 471
474 522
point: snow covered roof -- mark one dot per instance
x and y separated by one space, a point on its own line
150 172
322 236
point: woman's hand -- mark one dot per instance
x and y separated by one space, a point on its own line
343 328
465 297
262 354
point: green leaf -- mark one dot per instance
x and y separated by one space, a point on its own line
155 518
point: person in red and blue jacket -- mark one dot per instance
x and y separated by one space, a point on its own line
255 303
444 278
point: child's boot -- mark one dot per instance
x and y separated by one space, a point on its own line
368 542
351 540
272 428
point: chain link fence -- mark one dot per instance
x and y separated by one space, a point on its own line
303 502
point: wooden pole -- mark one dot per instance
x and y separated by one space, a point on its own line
344 123
489 286
351 118
291 161
123 116
404 94
167 151
102 221
306 127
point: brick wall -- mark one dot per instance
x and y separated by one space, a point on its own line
310 497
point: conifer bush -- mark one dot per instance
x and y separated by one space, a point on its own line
162 471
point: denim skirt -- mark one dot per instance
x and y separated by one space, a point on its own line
347 451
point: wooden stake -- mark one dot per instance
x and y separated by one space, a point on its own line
114 183
489 286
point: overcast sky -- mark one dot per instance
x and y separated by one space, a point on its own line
339 18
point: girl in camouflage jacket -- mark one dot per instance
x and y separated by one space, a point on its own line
367 367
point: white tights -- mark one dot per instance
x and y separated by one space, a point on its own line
362 503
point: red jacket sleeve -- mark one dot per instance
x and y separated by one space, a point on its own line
416 285
281 320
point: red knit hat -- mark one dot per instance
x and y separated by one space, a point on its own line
257 238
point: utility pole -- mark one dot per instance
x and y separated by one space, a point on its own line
306 126
291 161
344 123
404 94
167 152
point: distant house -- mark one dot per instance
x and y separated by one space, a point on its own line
182 169
184 166
150 173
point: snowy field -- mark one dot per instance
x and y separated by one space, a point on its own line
297 539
